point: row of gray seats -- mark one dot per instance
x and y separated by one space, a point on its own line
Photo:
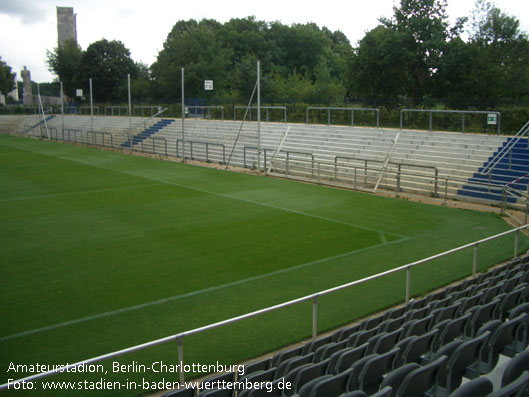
454 333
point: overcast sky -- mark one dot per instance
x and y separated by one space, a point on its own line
29 27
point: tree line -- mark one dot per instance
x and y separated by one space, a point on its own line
414 57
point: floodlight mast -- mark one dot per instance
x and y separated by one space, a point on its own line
92 111
183 121
130 113
259 116
62 110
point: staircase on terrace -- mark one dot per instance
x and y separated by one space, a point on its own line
38 124
148 132
512 170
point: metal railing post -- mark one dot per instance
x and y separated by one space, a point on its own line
516 242
408 283
475 261
431 121
315 316
181 359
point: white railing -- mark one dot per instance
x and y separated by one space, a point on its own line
179 337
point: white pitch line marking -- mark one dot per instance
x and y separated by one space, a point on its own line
190 294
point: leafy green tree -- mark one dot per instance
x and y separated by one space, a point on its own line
194 46
107 63
65 62
7 78
499 51
382 64
424 24
227 53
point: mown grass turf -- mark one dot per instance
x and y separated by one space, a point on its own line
102 250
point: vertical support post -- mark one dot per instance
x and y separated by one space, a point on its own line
503 201
516 241
329 116
183 121
475 261
446 191
91 107
526 211
314 316
259 115
130 117
463 126
431 122
62 110
181 359
318 172
352 117
408 283
397 187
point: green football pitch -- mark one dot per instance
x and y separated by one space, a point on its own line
103 250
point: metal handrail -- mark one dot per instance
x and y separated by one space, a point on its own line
207 144
329 108
209 107
266 108
311 297
487 170
463 112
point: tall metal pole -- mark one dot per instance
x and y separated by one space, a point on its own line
259 116
92 110
183 121
130 113
62 110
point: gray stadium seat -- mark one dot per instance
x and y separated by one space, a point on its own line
372 373
394 378
418 348
314 344
216 393
515 368
466 354
288 365
479 387
420 380
261 365
518 388
386 342
499 342
347 358
285 354
181 393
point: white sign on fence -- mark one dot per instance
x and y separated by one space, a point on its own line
208 85
79 92
492 119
